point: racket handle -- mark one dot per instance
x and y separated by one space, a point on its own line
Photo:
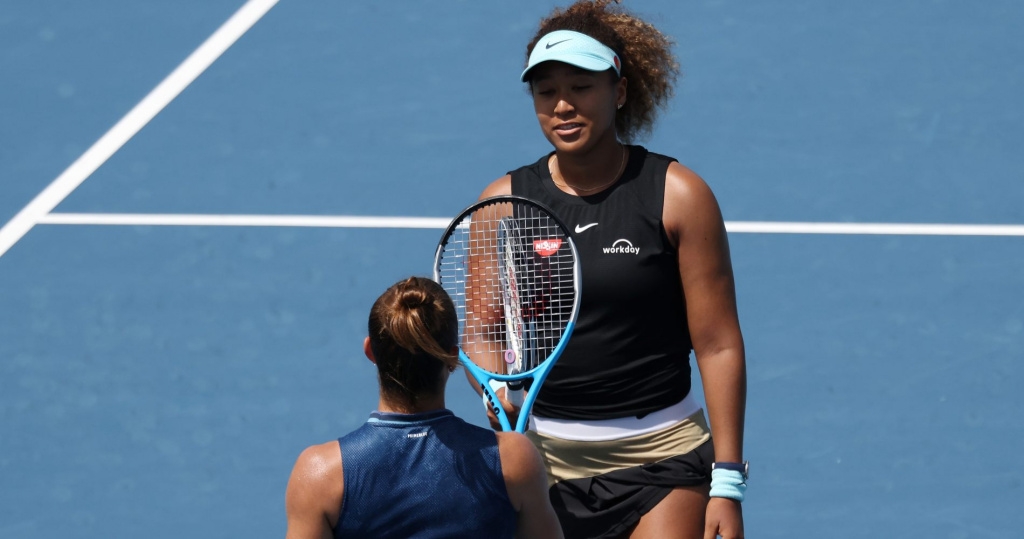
514 393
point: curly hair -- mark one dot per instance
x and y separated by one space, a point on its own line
647 60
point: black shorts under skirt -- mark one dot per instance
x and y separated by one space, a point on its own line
611 504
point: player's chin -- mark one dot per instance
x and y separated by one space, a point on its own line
568 143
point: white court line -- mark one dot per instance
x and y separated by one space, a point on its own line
352 221
134 121
899 229
313 221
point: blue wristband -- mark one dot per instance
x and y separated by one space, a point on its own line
742 467
728 484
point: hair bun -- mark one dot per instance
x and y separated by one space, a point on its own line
412 298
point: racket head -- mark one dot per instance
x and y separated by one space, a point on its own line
512 271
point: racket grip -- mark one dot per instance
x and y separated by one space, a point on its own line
514 393
515 398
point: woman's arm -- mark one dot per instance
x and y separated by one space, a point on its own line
315 488
694 223
527 486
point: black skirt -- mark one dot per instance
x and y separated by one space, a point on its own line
611 504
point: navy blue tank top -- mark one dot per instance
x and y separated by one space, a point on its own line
423 476
629 354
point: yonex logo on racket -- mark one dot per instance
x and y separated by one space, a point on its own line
621 247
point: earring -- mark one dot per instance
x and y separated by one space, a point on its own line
620 105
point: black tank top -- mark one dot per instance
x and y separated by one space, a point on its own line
629 354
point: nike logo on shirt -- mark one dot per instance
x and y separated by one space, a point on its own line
584 227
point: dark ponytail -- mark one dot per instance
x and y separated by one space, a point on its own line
413 327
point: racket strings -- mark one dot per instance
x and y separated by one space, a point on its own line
510 272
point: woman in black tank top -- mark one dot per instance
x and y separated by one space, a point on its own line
657 282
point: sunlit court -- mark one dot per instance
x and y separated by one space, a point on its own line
200 201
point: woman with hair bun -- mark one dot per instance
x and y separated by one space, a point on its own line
626 446
414 470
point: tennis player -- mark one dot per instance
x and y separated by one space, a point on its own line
414 470
627 447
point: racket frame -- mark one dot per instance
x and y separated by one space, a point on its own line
539 372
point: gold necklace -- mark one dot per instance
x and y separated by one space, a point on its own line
618 172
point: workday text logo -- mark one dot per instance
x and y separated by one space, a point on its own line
621 247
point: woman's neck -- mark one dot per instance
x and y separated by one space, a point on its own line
590 172
422 404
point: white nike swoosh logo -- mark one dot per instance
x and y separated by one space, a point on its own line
582 228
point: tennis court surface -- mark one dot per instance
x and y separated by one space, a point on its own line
201 199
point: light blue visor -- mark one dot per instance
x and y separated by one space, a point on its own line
575 49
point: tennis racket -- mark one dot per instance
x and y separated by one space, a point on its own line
513 272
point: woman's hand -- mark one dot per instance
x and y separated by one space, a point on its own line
511 410
724 518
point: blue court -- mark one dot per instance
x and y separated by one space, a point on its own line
161 366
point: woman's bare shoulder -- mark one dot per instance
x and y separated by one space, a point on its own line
689 202
500 187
